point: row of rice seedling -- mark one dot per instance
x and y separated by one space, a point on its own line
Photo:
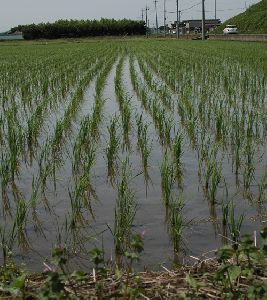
112 149
84 154
19 137
198 121
63 126
49 158
171 166
125 210
208 120
124 103
144 145
157 86
163 122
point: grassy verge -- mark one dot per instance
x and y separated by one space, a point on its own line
252 21
239 271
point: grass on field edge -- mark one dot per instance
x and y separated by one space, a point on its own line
199 281
238 271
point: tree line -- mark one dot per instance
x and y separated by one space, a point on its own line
81 28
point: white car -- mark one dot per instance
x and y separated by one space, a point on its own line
230 29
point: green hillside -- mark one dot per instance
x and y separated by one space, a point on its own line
253 20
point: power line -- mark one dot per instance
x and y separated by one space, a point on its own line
185 9
191 7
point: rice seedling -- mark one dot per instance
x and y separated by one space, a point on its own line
20 224
7 242
125 211
234 223
112 149
263 188
143 144
177 155
216 178
167 173
176 222
249 168
124 103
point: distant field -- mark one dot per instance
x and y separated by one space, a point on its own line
101 139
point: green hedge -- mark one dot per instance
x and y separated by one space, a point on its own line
81 28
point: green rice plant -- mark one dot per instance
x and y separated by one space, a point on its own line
7 241
225 213
62 127
118 81
4 181
124 212
220 128
144 146
263 188
84 191
176 222
124 103
99 102
167 128
212 178
20 224
76 217
234 223
159 88
83 150
141 92
212 174
177 149
126 121
237 155
216 178
15 144
167 173
249 168
112 148
225 219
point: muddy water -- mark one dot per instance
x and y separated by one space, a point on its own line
202 232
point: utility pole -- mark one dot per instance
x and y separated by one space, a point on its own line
157 25
165 18
177 20
215 9
146 22
142 14
203 20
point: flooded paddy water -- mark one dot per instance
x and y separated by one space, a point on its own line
103 140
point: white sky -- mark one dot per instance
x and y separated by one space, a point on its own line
15 12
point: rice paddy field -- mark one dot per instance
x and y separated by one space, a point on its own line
103 139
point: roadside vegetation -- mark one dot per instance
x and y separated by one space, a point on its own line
252 21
